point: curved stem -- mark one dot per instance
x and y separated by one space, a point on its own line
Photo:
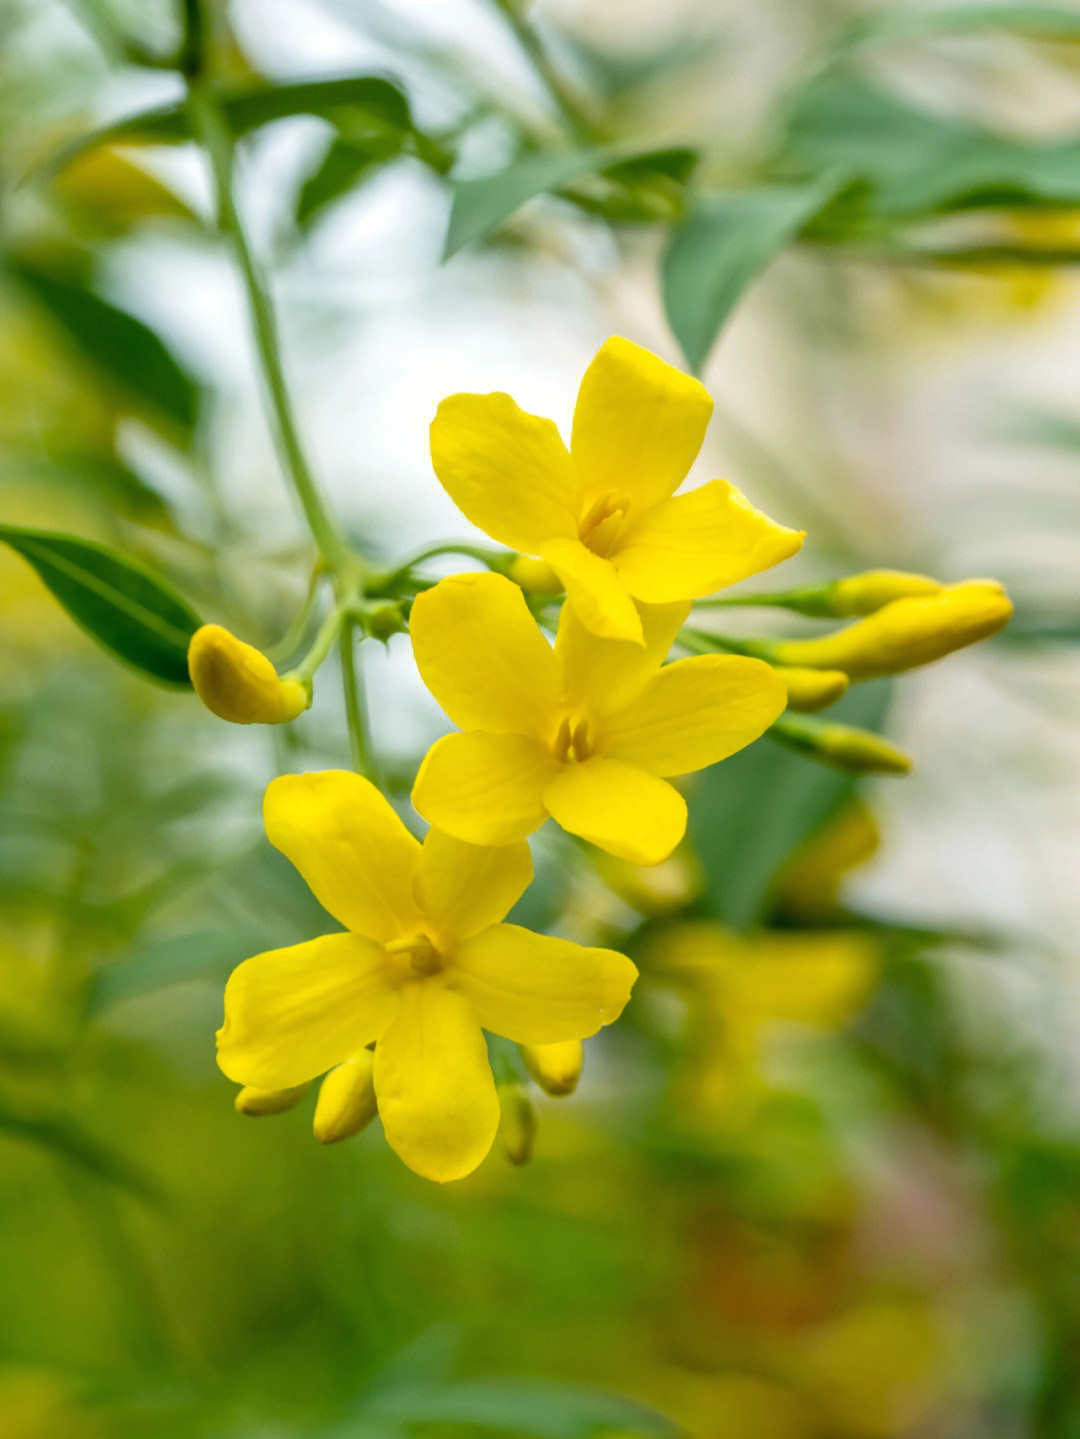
355 706
212 129
321 645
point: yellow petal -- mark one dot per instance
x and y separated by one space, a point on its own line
484 788
483 656
638 423
693 713
537 990
349 845
238 683
436 1095
619 807
603 675
507 471
291 1014
699 542
463 887
595 590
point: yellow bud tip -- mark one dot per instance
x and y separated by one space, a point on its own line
346 1102
810 690
517 1123
555 1067
535 577
238 683
256 1102
873 589
861 751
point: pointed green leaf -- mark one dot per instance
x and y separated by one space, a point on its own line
117 601
116 341
344 166
723 246
356 104
479 206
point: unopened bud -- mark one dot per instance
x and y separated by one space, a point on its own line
555 1067
256 1102
346 1102
811 690
857 750
863 594
536 577
906 633
517 1123
237 682
384 621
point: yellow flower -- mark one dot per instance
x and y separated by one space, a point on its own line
603 514
423 969
238 683
585 733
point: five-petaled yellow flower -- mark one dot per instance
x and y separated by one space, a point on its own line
603 514
585 733
424 968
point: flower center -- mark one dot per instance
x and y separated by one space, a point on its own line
572 740
415 957
602 521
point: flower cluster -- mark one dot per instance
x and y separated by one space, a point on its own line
587 729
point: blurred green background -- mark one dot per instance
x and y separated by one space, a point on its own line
823 1178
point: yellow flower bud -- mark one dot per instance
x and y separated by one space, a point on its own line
237 682
905 633
517 1123
535 577
555 1067
809 690
873 589
346 1102
256 1102
842 745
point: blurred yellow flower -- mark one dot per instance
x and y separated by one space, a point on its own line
238 683
424 967
603 514
586 733
743 984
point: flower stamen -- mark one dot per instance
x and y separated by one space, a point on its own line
419 953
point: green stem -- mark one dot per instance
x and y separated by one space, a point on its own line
494 559
703 643
556 86
212 129
321 645
356 707
297 629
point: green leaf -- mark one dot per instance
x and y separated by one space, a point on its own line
723 245
1041 22
480 206
356 104
912 164
117 342
100 477
749 814
61 1135
118 602
344 166
206 954
525 1408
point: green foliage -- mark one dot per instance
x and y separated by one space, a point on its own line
724 243
121 345
481 205
118 602
751 813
